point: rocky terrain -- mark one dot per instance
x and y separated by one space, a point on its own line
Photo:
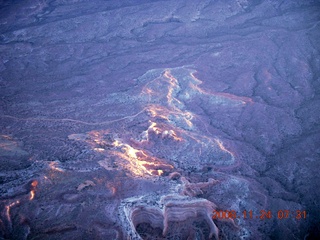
159 119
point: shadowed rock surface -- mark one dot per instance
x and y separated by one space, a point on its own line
159 119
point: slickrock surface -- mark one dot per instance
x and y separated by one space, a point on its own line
172 119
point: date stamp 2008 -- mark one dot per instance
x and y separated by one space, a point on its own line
262 215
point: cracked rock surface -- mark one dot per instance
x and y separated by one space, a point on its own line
159 119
